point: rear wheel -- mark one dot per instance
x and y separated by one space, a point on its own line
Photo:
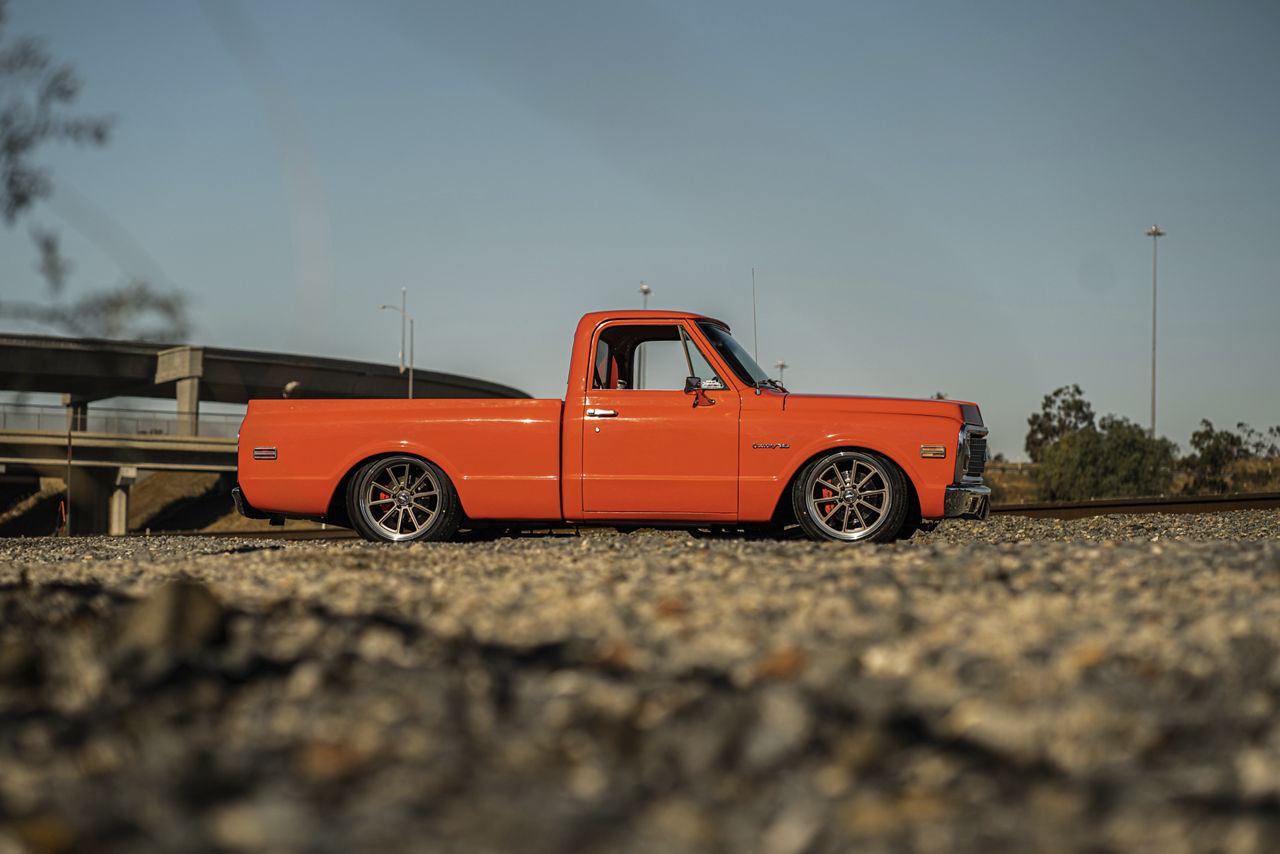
402 498
851 496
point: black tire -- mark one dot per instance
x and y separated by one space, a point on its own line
402 498
851 496
911 520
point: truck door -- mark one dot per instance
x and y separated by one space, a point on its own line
650 449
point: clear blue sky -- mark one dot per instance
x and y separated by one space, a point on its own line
935 196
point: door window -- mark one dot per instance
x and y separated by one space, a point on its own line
652 357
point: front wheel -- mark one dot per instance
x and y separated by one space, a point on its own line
402 498
851 496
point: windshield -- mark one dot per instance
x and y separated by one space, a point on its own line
739 361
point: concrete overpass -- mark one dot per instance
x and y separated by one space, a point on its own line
102 458
84 370
101 467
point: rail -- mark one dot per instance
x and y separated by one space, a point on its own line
1076 510
129 422
1116 506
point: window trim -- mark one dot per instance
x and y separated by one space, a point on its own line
687 328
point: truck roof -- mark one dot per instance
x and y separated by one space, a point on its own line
594 318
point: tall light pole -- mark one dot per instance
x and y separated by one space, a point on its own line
781 366
403 317
645 290
403 308
1155 234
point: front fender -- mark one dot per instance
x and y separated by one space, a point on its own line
765 478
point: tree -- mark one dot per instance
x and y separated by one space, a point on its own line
1215 451
35 97
1061 413
1258 443
1213 467
1115 459
37 92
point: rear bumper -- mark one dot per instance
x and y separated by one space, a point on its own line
968 502
243 507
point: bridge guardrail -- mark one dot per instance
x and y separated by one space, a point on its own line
24 416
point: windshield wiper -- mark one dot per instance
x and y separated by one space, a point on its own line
771 381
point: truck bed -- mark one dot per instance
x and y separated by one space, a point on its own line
503 456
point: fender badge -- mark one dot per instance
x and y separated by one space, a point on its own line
770 446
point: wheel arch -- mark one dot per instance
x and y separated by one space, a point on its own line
336 511
782 510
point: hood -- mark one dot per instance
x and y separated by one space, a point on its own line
963 411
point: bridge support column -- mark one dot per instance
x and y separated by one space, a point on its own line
90 498
100 500
183 366
118 511
188 406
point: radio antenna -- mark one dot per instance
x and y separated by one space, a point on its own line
755 332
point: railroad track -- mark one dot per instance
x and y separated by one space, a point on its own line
330 533
1042 510
1115 506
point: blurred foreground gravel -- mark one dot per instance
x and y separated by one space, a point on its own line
1109 684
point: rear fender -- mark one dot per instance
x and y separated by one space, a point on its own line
371 451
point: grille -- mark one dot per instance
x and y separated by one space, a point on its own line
977 456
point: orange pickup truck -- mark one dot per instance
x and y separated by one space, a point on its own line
667 421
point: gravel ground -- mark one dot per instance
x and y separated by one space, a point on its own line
1107 684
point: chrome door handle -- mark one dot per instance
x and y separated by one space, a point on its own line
602 413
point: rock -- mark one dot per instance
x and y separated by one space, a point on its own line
1016 685
182 617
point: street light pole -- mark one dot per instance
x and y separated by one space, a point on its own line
645 290
403 317
1155 234
781 366
403 309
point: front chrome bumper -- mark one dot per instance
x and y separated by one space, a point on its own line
968 502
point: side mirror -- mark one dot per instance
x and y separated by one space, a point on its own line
693 386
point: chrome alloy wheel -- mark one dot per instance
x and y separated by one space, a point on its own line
849 495
399 498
